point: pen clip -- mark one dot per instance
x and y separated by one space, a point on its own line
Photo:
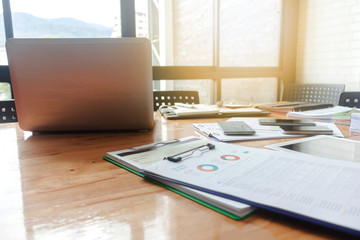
178 157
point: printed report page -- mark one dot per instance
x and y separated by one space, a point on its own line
319 188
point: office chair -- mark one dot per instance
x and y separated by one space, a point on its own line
8 112
313 93
350 99
7 107
172 97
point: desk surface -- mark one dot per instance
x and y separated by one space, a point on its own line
58 186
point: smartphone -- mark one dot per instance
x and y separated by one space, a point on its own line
236 128
286 122
306 130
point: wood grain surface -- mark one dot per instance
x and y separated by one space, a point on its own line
57 186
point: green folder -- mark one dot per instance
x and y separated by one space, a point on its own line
215 208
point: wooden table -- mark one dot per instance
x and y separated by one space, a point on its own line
57 186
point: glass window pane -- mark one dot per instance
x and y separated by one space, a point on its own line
147 25
192 32
180 31
249 90
250 32
203 86
5 92
64 18
141 18
3 57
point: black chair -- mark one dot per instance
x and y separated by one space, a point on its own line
7 107
172 97
313 93
7 111
350 99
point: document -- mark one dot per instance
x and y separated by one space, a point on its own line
213 130
325 113
318 190
184 111
292 106
137 158
355 123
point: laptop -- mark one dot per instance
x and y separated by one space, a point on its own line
82 84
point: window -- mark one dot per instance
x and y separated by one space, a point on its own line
64 18
3 59
60 19
250 33
218 47
216 40
249 90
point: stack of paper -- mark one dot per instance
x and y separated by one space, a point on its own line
325 113
355 122
292 106
180 111
191 109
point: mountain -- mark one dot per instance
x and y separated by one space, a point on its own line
27 25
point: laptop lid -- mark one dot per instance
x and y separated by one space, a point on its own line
82 84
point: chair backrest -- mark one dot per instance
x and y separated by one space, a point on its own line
7 111
172 97
313 93
350 99
7 107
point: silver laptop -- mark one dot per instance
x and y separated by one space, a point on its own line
82 84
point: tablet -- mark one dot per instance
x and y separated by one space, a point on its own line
323 146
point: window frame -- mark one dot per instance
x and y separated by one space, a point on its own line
285 72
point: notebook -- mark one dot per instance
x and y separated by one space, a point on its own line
82 84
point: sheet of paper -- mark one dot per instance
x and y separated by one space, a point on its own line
324 113
143 159
199 109
355 122
323 189
239 110
262 132
193 109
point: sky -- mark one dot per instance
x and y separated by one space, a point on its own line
92 11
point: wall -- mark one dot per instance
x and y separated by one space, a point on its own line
329 42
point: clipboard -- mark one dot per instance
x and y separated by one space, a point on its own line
231 209
197 200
